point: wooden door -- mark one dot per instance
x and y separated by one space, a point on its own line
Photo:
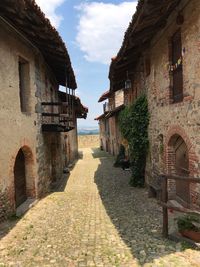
182 168
20 179
53 161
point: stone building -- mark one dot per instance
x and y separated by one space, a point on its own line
71 137
160 57
110 136
35 121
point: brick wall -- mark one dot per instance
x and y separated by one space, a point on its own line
169 119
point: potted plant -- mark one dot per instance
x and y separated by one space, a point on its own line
189 226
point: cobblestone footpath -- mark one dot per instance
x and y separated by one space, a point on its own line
98 220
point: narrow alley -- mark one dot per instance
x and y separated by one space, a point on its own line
93 219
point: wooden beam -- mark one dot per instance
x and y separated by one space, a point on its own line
181 178
45 114
65 104
180 209
165 210
51 103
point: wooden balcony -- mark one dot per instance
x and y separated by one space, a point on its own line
57 117
107 107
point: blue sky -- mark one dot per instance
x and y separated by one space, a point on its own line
93 32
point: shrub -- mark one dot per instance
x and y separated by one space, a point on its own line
134 121
188 222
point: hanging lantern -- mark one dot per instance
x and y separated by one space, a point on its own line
128 84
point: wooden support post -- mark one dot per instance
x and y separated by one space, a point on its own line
165 209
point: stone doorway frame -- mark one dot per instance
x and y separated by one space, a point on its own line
169 160
29 174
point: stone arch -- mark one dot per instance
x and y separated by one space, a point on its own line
179 158
177 147
193 170
176 129
24 179
173 132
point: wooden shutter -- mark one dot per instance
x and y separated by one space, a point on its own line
178 72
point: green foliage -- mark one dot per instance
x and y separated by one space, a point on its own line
134 121
188 222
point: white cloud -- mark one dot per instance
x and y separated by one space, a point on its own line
49 8
101 29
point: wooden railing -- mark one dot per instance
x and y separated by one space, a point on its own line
60 118
107 107
164 198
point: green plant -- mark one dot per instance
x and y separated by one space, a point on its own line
134 121
188 222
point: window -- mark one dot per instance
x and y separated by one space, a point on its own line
177 85
24 85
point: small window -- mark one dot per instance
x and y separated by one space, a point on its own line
24 85
177 70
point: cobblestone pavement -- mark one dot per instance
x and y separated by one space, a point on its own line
98 220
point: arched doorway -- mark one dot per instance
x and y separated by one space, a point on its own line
24 176
20 179
179 162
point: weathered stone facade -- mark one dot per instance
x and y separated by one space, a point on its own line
31 159
18 129
71 145
110 136
168 119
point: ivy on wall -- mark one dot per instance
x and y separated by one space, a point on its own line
133 122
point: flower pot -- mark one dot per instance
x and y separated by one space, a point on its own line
195 236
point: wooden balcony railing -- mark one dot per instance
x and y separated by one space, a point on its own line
57 117
107 107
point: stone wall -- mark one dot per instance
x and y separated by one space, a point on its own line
102 141
119 98
6 209
44 153
85 141
18 129
50 156
72 145
104 133
110 138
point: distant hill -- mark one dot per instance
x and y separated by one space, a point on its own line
88 131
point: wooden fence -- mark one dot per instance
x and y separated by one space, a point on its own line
164 199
